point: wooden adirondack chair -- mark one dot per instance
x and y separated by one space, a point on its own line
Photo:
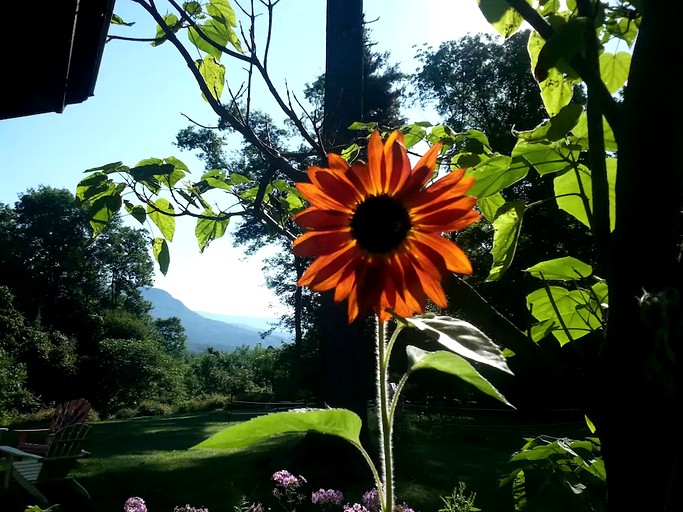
67 413
31 470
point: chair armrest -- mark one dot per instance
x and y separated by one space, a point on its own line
15 452
24 433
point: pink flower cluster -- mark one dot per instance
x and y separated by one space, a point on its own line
327 497
134 504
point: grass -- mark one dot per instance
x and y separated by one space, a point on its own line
149 457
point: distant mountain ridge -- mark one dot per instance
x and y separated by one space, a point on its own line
203 332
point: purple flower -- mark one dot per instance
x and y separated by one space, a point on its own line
371 500
188 508
356 507
285 479
403 507
255 507
135 504
327 497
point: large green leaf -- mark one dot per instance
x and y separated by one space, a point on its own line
173 24
462 338
556 86
148 171
94 186
575 311
161 254
452 364
555 128
193 8
108 168
561 269
217 179
413 134
601 293
542 329
624 28
556 91
614 68
136 211
104 208
161 213
495 174
568 40
580 131
507 226
571 188
501 16
213 73
546 157
101 197
336 422
575 184
223 13
213 30
489 206
209 229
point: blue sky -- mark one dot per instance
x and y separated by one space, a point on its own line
140 98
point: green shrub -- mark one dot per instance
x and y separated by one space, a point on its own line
154 408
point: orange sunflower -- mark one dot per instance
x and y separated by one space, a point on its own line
375 229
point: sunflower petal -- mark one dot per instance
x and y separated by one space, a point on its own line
359 175
337 162
452 256
347 281
319 198
445 220
318 243
398 167
324 266
375 162
335 185
353 310
451 186
315 218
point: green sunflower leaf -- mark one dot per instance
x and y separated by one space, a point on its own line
335 422
462 338
452 364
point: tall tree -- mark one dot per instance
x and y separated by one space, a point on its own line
478 82
122 257
55 250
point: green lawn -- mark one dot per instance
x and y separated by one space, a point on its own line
149 457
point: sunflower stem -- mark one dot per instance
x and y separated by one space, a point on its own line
385 424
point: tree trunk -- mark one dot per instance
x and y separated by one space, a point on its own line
343 101
345 354
639 401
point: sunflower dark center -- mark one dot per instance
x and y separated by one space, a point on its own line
380 224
